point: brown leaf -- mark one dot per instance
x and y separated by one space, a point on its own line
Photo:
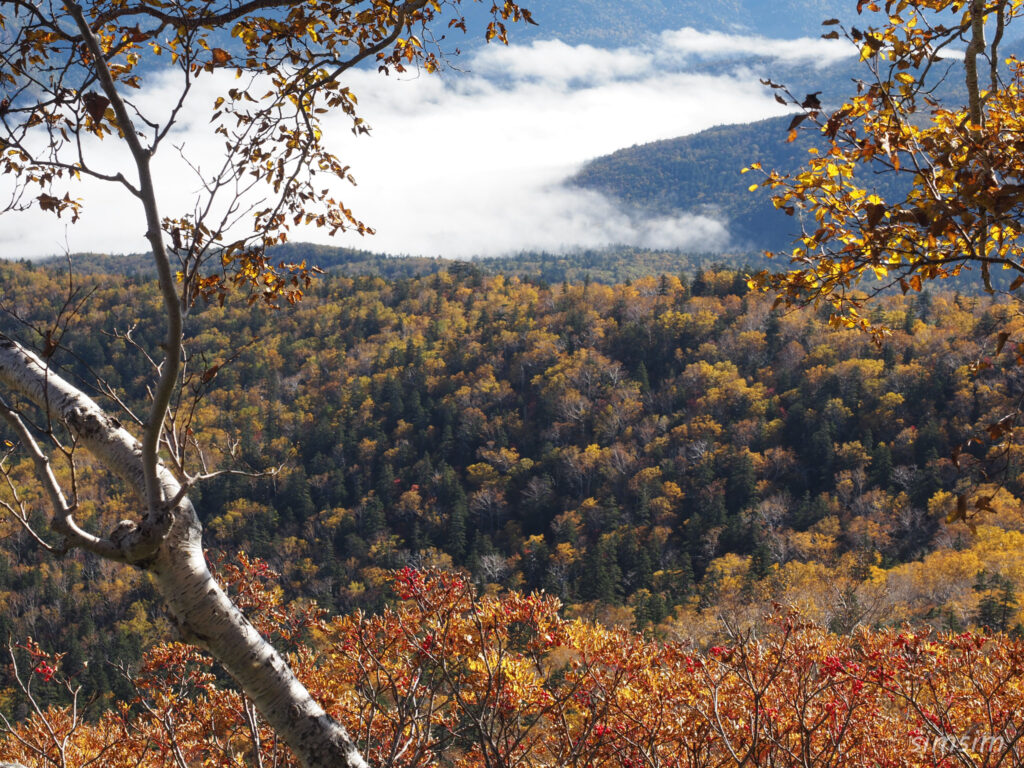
795 122
220 56
48 202
873 42
811 101
95 105
835 122
136 35
875 212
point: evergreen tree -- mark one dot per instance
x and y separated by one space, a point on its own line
455 543
295 501
998 603
880 469
601 576
741 484
642 378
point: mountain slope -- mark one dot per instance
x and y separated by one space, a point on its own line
702 173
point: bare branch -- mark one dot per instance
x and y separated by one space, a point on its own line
172 304
63 513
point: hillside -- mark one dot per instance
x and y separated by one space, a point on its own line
657 452
702 172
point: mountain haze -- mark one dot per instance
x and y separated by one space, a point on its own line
607 23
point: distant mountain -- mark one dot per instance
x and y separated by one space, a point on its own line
609 266
701 173
614 23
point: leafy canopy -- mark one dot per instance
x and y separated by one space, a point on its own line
962 164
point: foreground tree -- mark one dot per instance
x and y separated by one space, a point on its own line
74 75
945 136
956 203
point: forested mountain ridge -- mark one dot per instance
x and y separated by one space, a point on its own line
612 24
702 172
606 265
657 452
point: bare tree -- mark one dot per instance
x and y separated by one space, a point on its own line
70 74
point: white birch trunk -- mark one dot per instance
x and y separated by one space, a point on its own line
167 544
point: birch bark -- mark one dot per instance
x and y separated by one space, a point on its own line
197 605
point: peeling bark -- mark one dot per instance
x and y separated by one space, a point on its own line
167 543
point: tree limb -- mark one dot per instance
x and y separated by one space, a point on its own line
172 304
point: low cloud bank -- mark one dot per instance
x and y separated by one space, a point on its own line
472 163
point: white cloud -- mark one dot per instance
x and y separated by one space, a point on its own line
690 42
472 163
553 61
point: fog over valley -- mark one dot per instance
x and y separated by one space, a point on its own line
472 161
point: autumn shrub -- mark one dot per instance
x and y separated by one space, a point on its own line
449 676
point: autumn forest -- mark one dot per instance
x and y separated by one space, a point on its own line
620 505
670 456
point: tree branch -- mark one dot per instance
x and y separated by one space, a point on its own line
172 304
25 373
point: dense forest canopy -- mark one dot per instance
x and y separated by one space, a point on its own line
664 454
653 452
